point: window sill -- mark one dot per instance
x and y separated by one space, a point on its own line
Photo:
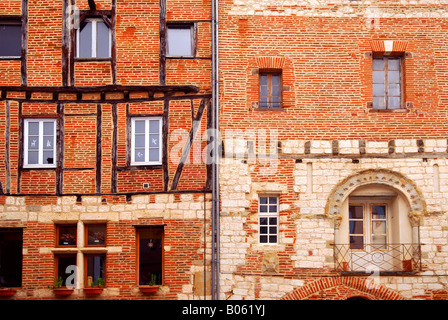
281 109
92 59
140 167
404 109
27 167
18 58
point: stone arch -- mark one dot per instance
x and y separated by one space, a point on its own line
390 178
353 286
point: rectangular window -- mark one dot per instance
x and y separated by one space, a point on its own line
40 143
95 267
66 235
94 39
66 269
146 141
268 219
150 256
180 40
11 258
356 227
95 235
10 38
387 83
270 90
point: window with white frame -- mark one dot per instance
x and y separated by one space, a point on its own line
39 143
268 219
146 141
94 39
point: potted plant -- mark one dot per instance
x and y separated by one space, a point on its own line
95 289
152 286
7 292
59 290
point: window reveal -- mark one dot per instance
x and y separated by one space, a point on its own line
11 258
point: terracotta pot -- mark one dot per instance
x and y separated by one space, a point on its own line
93 291
149 289
63 292
7 292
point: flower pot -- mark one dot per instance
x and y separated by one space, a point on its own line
7 292
148 289
93 291
62 292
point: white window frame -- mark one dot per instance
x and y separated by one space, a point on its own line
93 54
268 215
147 147
40 163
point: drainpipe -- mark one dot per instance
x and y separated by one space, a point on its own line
216 155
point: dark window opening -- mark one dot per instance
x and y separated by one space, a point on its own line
270 90
150 261
11 258
10 38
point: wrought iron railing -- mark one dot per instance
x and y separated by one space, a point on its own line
371 258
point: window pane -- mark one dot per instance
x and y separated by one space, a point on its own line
379 103
10 40
179 42
264 102
272 230
139 141
67 235
263 200
263 91
263 80
395 89
356 227
11 259
378 90
379 242
263 230
394 64
33 157
394 103
33 142
378 76
154 154
272 220
85 40
33 128
356 212
263 221
150 255
263 239
95 269
272 239
394 76
139 155
356 242
263 208
378 64
139 126
103 43
154 140
48 157
378 212
49 128
379 227
66 266
273 208
96 235
154 126
275 80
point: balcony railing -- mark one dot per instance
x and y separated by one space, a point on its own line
374 258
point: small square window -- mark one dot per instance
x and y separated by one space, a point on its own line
66 235
94 39
10 38
146 141
270 89
95 235
180 40
268 219
40 143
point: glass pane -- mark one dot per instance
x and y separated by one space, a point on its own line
356 227
394 76
139 155
379 227
66 265
263 91
154 140
273 200
179 42
273 208
33 128
276 91
272 230
150 256
355 212
378 212
139 126
263 221
272 239
10 40
48 157
96 235
263 230
263 208
33 157
48 142
394 103
85 40
95 269
378 64
154 126
378 90
379 103
153 154
263 200
67 235
395 89
139 140
272 220
378 76
394 64
356 242
379 242
275 80
48 128
263 80
263 239
33 142
264 102
103 43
